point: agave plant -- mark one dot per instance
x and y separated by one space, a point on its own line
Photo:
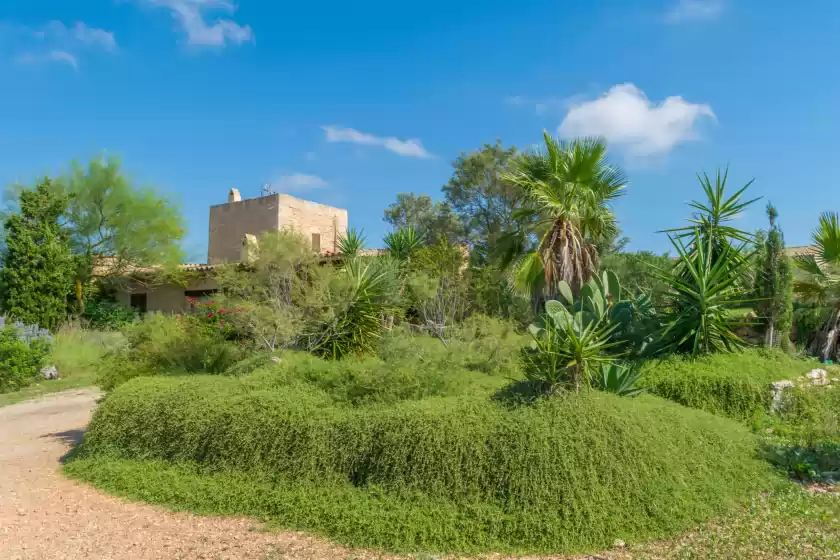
403 243
620 379
819 282
351 243
700 295
569 188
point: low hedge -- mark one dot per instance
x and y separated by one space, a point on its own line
735 385
459 473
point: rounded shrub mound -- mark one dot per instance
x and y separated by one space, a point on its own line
460 473
734 385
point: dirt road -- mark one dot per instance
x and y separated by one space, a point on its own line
43 515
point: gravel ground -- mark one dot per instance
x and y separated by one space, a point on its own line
43 515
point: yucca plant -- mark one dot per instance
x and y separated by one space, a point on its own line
403 243
819 282
700 295
365 296
620 379
351 243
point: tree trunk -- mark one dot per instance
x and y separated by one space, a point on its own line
826 342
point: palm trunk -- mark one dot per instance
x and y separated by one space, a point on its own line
826 342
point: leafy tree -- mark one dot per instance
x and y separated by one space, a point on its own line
117 228
633 271
774 287
37 274
484 201
430 219
569 187
819 283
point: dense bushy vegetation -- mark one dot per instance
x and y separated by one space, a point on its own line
414 446
22 352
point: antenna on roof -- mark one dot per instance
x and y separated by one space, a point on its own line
268 190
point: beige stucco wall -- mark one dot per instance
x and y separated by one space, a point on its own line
166 298
230 222
310 217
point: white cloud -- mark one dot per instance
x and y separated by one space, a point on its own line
626 118
94 36
52 56
694 10
410 148
80 34
192 16
299 182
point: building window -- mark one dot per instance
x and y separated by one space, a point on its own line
316 242
139 302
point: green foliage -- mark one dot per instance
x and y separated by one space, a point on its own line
116 227
37 274
774 285
442 473
363 295
734 385
818 283
569 188
105 315
20 361
621 379
633 271
703 288
403 243
274 298
430 220
485 203
351 243
571 338
166 345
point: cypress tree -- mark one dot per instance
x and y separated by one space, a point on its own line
38 267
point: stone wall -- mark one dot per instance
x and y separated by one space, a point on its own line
312 218
230 222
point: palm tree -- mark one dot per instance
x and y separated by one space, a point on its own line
569 187
819 281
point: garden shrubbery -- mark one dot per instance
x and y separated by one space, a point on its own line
22 353
735 385
567 473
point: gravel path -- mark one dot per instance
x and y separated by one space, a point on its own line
43 515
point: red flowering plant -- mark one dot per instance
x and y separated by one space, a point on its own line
215 315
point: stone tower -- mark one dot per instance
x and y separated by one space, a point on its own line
320 224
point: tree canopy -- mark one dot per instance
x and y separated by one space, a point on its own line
37 273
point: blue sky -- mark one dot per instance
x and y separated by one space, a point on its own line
350 103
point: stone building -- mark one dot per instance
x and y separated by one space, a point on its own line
231 225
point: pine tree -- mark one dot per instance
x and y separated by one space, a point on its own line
38 267
774 284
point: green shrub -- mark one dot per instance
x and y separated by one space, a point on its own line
20 362
735 385
104 315
167 345
438 474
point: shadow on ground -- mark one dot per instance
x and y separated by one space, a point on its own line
72 438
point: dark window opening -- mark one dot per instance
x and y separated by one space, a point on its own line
139 302
316 242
